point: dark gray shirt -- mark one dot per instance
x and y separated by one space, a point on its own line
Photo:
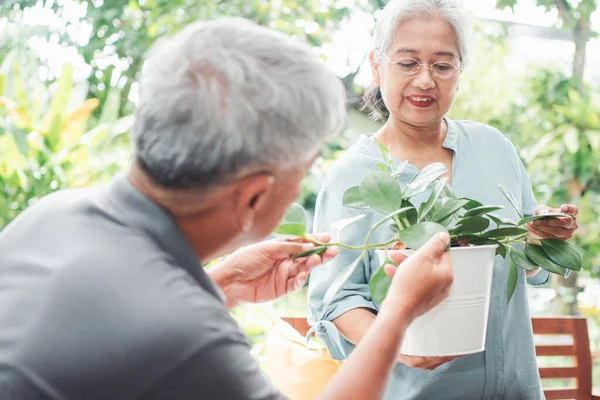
101 297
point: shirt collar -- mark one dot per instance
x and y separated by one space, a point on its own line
450 141
136 210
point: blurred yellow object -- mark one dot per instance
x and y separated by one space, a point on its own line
299 369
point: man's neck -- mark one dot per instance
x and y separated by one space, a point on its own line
197 215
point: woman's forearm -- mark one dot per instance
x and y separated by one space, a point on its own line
354 324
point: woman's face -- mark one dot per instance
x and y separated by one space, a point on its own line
420 99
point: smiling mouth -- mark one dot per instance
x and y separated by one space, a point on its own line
420 102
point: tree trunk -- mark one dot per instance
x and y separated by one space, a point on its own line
581 35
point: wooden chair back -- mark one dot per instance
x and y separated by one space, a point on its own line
578 349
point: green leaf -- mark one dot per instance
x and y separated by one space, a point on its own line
511 199
513 276
501 220
446 207
381 192
384 150
341 280
471 225
379 284
353 199
501 250
449 192
411 215
471 204
421 181
291 229
543 216
537 254
481 210
521 259
504 232
417 235
571 139
563 253
438 187
58 106
111 107
316 250
382 167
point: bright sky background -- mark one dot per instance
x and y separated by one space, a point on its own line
352 42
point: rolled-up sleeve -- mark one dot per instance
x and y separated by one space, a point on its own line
529 204
355 293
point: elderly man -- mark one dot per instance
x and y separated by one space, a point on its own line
103 294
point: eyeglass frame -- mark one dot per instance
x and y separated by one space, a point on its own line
395 63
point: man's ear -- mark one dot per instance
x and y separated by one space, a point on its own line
375 77
252 193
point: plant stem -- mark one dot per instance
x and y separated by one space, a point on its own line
346 246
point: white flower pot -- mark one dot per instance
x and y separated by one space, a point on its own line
458 325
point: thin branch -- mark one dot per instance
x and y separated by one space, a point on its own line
564 8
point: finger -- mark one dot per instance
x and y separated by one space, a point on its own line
397 256
321 237
389 270
329 254
433 249
281 250
297 282
557 222
570 209
552 232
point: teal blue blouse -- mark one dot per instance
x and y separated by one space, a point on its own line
483 158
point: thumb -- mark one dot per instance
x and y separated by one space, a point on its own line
433 249
543 209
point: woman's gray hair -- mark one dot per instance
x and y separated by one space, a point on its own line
227 96
388 22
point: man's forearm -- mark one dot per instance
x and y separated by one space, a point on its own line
366 372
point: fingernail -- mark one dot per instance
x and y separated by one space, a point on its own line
443 236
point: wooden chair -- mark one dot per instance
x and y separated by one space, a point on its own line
579 349
576 327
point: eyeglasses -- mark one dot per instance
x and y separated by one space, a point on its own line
410 66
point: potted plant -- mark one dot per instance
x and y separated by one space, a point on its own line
477 235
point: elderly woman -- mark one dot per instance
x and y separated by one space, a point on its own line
103 291
418 55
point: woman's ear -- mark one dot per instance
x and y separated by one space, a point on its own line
374 68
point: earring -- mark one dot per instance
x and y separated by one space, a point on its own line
247 225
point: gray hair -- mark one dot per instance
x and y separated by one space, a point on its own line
392 16
226 96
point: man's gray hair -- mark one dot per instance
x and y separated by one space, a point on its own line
226 96
392 16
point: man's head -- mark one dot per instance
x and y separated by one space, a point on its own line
230 117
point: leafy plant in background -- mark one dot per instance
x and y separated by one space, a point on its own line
45 144
466 220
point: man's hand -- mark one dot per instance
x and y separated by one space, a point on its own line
556 228
420 283
265 271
